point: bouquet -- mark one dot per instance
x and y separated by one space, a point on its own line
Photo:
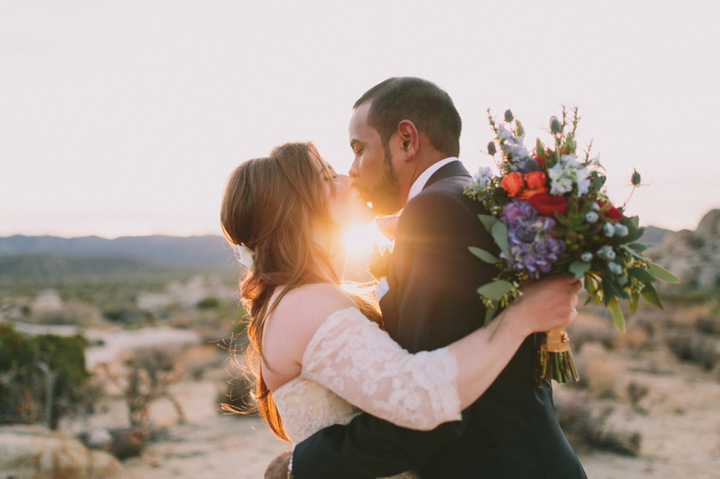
549 214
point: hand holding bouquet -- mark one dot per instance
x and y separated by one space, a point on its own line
549 214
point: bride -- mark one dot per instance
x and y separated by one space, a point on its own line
320 355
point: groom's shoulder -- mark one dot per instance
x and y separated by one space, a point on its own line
444 197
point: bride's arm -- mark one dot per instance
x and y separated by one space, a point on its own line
355 359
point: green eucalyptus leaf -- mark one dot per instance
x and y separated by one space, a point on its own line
579 268
500 235
642 274
632 251
651 295
617 314
634 302
663 274
611 287
488 221
484 255
495 290
637 247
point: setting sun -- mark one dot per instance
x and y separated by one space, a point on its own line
359 240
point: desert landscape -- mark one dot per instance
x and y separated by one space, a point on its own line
155 347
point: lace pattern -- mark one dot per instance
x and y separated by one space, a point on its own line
352 365
358 361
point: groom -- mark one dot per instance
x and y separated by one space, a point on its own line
405 135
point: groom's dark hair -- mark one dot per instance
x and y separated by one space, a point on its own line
425 104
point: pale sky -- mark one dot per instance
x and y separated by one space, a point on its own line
126 117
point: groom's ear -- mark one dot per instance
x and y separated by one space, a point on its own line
409 138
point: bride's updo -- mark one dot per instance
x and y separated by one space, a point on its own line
272 206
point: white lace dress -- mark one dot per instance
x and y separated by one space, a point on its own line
351 365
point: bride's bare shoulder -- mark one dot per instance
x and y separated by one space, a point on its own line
312 300
303 310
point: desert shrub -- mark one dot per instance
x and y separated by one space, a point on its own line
709 325
72 313
636 392
125 314
601 380
695 348
635 339
209 302
587 428
41 377
582 333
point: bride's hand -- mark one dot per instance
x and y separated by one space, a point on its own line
547 304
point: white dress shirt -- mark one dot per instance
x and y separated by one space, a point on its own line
421 180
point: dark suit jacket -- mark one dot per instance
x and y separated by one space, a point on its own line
511 431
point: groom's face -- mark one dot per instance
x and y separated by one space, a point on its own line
373 169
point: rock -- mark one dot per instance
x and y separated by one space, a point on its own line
127 443
30 452
693 256
99 438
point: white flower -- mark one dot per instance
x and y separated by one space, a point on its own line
483 175
561 186
245 256
582 179
570 160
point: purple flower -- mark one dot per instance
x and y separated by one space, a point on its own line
532 247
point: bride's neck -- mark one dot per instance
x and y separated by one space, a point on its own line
332 244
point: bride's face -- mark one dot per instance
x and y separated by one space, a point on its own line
346 206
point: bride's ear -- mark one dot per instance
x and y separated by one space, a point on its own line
409 138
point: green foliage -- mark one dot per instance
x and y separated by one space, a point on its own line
210 302
40 373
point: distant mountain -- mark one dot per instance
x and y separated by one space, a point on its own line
48 266
169 250
654 235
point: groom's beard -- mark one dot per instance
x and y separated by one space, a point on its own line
385 197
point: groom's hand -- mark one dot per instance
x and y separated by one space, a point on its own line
278 467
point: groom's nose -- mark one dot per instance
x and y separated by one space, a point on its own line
354 170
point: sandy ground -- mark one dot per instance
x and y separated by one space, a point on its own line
680 434
678 419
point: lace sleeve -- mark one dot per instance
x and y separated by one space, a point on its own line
359 362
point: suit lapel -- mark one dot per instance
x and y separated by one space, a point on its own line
454 168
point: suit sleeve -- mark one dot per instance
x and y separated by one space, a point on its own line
436 279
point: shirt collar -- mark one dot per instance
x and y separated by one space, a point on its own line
421 180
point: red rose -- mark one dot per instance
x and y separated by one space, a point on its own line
513 183
611 212
536 184
546 204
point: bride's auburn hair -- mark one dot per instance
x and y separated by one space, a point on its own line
272 206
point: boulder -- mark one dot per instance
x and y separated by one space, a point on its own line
693 256
34 452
